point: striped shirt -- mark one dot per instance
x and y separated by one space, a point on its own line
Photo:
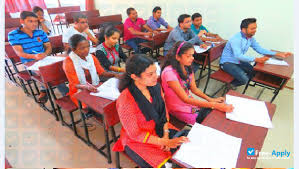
236 48
30 45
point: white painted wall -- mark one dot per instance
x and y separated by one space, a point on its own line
274 17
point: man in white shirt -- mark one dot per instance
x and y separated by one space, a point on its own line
43 24
80 27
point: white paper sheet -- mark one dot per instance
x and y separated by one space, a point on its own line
209 147
198 49
108 90
158 71
45 61
273 61
249 111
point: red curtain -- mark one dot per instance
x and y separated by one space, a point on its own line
89 5
13 6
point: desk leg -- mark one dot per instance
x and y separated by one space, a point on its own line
209 73
52 104
84 123
246 86
116 153
107 143
277 90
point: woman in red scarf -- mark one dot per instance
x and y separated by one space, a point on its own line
109 52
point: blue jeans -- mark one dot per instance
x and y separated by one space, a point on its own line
134 43
241 72
62 88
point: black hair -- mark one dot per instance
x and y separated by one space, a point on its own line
134 65
78 16
157 8
246 22
196 15
74 41
171 58
26 14
182 18
129 10
37 9
108 31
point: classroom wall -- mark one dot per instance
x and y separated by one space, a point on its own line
274 17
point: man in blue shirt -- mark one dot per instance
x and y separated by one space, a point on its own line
201 30
155 21
31 44
233 59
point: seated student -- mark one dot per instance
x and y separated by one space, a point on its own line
200 30
81 68
109 52
43 24
233 59
155 21
146 135
182 33
80 27
31 44
132 27
178 82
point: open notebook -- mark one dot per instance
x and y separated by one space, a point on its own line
209 147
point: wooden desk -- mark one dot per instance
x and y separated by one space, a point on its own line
104 107
155 43
206 58
273 77
252 136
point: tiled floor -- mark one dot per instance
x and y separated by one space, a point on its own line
35 139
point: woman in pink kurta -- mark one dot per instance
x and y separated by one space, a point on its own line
178 82
146 135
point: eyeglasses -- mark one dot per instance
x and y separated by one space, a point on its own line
83 22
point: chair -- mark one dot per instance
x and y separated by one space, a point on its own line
69 15
12 22
97 22
7 30
56 44
205 59
23 76
120 27
7 15
156 44
53 75
223 77
60 18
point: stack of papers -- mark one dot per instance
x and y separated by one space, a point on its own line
249 111
108 90
198 49
273 61
209 148
45 61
